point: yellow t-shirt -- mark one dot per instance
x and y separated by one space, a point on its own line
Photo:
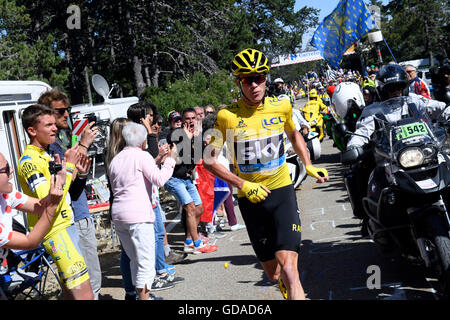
254 136
34 178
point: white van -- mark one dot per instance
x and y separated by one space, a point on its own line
14 97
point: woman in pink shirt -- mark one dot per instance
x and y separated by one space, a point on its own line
132 172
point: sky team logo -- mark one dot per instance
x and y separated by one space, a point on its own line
273 124
261 154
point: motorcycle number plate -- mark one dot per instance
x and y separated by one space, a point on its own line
411 130
426 184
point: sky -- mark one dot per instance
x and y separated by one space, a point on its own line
325 7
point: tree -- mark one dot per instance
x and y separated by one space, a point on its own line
139 43
276 26
416 29
22 56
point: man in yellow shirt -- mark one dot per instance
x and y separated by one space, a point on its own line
253 129
34 174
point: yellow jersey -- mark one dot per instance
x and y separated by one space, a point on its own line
254 136
34 178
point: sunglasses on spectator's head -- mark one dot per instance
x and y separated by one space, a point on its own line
61 111
6 169
256 79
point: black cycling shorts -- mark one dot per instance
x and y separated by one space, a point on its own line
273 224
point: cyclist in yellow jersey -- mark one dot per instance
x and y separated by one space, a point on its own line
61 242
253 130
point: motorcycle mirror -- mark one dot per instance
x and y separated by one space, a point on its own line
350 156
341 130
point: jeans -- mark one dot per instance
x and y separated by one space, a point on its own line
126 272
183 190
160 261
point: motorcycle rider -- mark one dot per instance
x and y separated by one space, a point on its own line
278 91
395 102
324 96
393 89
314 109
278 88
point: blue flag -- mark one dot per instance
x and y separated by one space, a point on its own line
338 31
221 193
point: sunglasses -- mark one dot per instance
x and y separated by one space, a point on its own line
6 169
62 111
256 79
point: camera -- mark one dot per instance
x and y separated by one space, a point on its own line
54 167
91 117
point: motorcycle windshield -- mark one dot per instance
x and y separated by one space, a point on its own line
411 125
410 132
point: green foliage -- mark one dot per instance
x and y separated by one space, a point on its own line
415 28
198 90
23 57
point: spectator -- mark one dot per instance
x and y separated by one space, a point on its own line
416 85
175 121
83 220
116 144
144 112
44 208
132 173
223 157
34 178
180 184
171 256
209 109
200 112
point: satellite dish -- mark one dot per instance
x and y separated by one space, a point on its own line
101 86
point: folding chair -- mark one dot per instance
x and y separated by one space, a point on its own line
26 272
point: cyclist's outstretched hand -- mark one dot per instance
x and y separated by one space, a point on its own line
320 173
255 192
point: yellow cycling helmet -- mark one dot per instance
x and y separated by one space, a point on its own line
313 93
250 61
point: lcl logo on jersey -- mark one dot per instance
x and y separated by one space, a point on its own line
272 124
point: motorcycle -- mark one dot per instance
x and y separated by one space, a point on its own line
404 208
316 122
297 169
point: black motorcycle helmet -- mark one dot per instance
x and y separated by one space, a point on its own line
392 77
